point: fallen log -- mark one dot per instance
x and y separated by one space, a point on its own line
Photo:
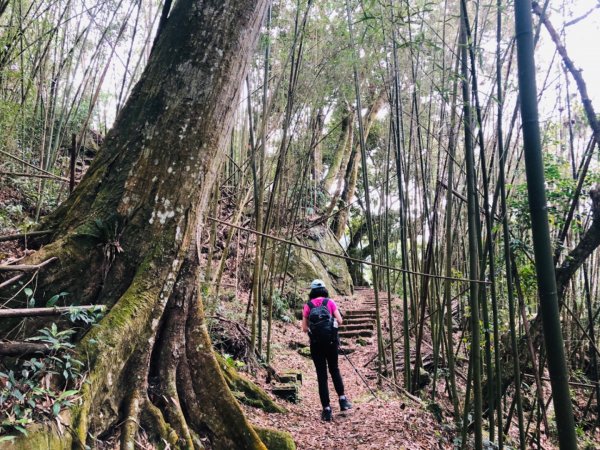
23 348
14 237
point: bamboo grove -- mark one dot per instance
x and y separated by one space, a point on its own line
405 128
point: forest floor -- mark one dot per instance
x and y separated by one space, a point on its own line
388 420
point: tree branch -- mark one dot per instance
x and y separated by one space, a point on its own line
582 17
26 268
588 243
576 73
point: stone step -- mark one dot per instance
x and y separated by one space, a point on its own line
287 391
358 321
360 312
355 333
362 316
352 327
290 376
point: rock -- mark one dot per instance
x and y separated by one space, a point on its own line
295 345
275 439
287 391
424 378
346 351
291 376
304 265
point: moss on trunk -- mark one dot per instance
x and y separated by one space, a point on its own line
275 439
249 393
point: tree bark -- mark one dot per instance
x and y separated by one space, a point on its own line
126 239
351 178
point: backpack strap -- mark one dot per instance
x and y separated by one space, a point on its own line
310 304
325 301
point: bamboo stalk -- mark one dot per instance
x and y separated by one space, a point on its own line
472 234
546 278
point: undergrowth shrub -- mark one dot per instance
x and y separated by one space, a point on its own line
38 388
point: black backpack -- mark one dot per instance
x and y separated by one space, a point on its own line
320 323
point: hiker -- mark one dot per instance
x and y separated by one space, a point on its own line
320 319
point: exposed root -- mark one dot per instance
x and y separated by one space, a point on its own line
169 345
130 425
223 414
168 354
156 426
172 409
253 395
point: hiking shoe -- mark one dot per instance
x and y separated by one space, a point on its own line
327 415
345 405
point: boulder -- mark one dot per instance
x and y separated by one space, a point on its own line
304 265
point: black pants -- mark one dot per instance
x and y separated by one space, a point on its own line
324 355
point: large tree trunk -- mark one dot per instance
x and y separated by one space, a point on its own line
338 225
126 239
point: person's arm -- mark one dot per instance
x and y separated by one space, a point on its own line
304 324
338 316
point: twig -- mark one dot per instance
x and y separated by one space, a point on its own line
572 383
404 391
44 312
237 324
34 175
26 163
581 86
582 17
26 268
11 280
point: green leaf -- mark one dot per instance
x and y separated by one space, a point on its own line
66 394
56 408
28 292
21 429
52 301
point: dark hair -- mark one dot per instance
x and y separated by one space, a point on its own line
318 292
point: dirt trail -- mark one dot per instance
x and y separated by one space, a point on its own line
388 421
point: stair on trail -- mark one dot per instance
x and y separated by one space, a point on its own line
355 333
359 322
